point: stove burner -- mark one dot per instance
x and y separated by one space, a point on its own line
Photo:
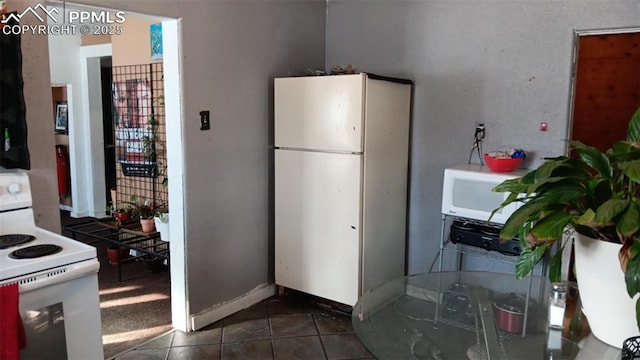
463 225
35 251
10 240
488 230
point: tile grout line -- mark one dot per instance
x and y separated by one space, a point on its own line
173 335
315 323
273 351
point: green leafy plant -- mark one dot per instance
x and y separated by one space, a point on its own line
141 208
162 212
596 193
121 208
146 211
161 169
121 212
151 149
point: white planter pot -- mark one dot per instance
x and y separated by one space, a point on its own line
162 226
609 309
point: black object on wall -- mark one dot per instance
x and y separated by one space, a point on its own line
13 125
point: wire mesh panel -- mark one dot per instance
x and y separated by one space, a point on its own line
140 134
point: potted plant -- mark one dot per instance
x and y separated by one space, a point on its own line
123 213
596 195
116 253
161 219
146 221
144 211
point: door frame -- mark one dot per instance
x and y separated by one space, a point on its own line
95 187
577 34
87 155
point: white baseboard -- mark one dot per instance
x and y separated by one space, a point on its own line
79 214
221 311
99 214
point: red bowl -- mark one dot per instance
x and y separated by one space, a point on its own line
502 164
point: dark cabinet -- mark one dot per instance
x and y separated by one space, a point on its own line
13 126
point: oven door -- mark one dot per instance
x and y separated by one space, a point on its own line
60 310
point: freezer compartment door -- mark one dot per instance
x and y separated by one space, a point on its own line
322 113
317 223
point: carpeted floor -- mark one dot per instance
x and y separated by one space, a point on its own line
134 310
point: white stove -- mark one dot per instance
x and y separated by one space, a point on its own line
56 277
16 218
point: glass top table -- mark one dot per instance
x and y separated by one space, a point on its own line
466 315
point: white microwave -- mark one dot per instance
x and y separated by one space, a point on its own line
466 193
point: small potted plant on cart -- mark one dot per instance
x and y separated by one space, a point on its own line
146 218
123 213
146 211
161 219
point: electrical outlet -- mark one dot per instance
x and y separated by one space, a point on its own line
205 122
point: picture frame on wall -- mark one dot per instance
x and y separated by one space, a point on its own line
155 31
62 118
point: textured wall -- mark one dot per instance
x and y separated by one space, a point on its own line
133 47
504 63
39 117
232 50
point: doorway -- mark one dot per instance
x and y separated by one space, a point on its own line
606 85
110 177
605 89
79 64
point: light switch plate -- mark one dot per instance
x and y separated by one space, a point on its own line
205 121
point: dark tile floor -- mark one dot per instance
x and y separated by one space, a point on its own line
292 326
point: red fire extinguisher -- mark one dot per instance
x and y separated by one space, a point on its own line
62 164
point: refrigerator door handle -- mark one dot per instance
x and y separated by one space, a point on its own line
319 150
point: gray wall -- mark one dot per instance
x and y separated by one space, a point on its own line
232 50
37 97
504 63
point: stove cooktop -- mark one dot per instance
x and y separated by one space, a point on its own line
35 251
60 251
17 218
9 240
483 236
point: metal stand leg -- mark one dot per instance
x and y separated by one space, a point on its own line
120 270
442 243
526 308
440 267
438 299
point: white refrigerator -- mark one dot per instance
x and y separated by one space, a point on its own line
341 170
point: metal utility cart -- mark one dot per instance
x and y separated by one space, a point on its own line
127 235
